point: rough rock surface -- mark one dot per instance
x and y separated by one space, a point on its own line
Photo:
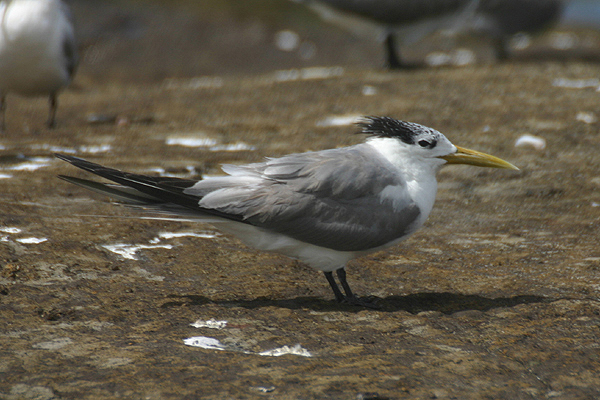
496 297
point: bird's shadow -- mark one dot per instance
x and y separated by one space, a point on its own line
446 303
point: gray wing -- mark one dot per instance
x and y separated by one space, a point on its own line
347 199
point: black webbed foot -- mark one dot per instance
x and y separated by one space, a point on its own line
349 297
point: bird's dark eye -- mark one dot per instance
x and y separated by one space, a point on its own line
427 144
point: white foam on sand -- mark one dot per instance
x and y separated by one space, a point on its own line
204 343
211 324
129 251
31 240
296 350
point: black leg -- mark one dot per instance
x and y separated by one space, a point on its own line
336 290
52 115
349 298
393 60
2 112
502 49
341 273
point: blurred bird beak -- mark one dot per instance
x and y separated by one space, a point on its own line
472 157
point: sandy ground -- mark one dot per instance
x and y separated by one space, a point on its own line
496 297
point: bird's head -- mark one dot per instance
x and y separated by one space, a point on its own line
414 144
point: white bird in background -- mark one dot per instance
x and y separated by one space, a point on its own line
38 54
324 207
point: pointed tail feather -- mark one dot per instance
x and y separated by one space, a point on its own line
156 187
118 192
163 194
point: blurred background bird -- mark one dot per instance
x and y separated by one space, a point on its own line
38 54
411 20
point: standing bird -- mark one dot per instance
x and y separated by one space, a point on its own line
413 19
38 54
324 207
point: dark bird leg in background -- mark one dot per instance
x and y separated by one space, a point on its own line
393 60
502 49
2 112
52 116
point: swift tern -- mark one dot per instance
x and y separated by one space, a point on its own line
410 20
323 207
38 54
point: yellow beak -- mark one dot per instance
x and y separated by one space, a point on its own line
472 157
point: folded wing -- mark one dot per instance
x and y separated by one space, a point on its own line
347 199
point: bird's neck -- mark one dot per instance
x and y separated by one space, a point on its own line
418 173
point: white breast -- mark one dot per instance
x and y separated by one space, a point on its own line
418 173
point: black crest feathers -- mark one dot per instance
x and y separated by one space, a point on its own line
392 128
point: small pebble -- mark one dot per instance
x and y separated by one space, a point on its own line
536 142
586 117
